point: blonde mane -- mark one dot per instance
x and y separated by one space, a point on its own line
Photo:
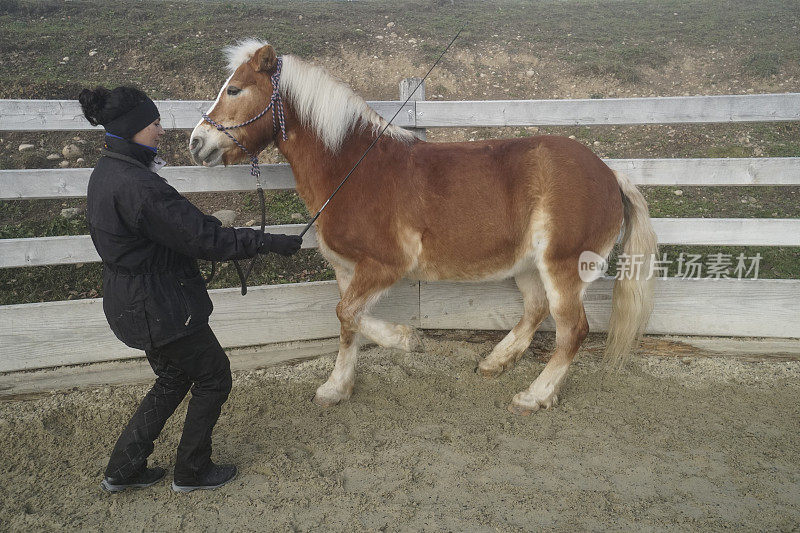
326 105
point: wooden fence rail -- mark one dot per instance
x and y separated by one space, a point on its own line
35 184
41 115
72 249
611 111
51 334
66 115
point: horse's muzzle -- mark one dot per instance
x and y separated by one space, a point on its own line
203 154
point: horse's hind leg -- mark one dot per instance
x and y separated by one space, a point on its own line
535 310
368 281
383 333
565 294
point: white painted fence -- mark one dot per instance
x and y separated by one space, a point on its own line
59 333
43 115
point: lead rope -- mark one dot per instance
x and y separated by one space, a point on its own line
246 274
279 121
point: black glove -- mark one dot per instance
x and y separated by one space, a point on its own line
212 218
280 244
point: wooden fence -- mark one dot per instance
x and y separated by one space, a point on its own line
51 334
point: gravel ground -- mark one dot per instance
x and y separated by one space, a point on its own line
674 442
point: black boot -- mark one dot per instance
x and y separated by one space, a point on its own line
144 478
215 477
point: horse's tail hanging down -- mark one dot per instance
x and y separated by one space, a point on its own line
632 298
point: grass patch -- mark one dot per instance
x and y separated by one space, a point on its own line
723 202
624 63
180 42
20 219
55 226
731 150
763 63
660 141
284 206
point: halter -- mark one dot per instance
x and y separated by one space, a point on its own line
278 121
276 104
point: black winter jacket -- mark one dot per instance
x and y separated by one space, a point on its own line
148 237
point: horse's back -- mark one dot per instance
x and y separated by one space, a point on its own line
525 167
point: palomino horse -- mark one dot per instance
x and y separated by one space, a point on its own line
525 208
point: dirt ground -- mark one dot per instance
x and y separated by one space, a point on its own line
678 441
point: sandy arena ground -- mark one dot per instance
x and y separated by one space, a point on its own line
673 443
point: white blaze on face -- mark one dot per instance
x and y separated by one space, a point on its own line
204 131
211 109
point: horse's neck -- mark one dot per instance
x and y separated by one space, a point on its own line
316 170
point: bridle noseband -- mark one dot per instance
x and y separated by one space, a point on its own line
278 121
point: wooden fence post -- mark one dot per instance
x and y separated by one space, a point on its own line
406 86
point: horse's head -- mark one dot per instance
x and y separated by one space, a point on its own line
245 94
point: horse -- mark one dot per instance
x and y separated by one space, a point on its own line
525 208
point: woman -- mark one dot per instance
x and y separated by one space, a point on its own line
149 237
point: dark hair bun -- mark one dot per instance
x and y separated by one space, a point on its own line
93 104
101 106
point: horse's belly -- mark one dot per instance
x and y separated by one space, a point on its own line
495 264
483 252
448 253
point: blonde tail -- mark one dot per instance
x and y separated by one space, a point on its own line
632 298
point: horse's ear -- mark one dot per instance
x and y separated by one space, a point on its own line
265 59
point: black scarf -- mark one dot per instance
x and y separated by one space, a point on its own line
131 149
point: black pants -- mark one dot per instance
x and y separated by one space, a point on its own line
196 359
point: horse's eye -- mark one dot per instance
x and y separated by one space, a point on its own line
233 91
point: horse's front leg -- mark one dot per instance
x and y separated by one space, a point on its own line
383 333
340 383
369 280
388 335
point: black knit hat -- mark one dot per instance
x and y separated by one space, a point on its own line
124 111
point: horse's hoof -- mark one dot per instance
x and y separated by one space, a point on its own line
524 409
328 395
414 342
489 371
521 410
321 401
